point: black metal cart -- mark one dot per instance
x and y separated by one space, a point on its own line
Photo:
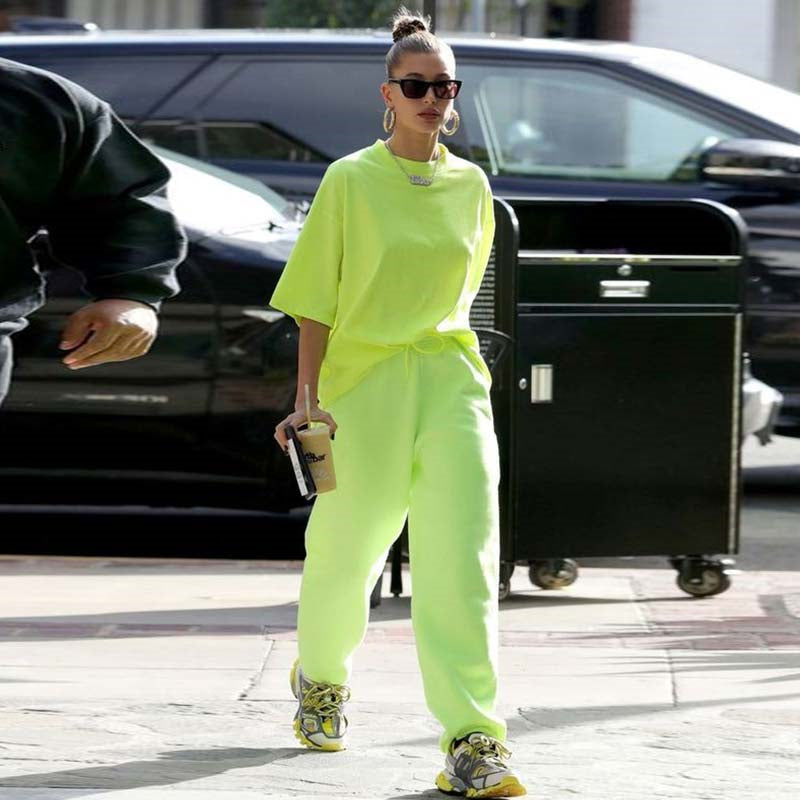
623 409
613 329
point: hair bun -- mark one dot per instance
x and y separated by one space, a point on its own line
405 26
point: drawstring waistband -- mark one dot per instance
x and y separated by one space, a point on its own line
438 338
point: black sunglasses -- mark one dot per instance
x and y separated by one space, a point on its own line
416 88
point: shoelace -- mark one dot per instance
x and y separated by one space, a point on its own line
326 698
489 748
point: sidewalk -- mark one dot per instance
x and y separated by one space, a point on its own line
141 680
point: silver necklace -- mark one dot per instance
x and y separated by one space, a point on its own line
418 179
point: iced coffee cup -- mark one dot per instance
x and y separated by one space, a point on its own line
316 444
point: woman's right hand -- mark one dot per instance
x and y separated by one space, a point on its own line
298 418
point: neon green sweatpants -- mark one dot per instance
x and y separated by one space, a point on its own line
415 437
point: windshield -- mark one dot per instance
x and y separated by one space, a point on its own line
211 198
750 94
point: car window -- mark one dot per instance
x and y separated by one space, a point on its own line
297 110
579 124
132 84
174 134
224 140
254 116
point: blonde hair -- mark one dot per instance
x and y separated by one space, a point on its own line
411 34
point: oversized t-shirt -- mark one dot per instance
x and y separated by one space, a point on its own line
385 263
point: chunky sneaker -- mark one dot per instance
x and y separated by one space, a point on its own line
319 722
474 767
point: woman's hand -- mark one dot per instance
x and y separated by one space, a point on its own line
298 418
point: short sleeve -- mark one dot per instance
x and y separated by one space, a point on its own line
309 284
484 249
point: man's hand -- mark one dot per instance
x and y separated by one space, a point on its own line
120 330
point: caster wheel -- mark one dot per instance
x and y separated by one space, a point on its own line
554 573
712 580
504 589
675 562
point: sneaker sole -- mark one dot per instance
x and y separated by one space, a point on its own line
508 787
298 732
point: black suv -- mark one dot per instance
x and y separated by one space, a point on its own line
542 117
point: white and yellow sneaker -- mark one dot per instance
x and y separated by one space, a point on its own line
475 767
319 722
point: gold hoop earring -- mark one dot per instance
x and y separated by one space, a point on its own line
451 131
388 126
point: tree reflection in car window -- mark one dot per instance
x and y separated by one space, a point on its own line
240 141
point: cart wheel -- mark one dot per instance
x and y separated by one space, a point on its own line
506 571
712 580
553 573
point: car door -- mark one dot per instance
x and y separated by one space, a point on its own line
577 128
145 418
75 432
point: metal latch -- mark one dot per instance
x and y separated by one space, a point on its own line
541 383
624 288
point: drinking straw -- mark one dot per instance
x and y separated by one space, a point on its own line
308 406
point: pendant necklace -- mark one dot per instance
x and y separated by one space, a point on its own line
421 180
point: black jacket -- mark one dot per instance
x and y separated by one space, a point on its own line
70 166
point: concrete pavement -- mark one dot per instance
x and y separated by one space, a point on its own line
136 679
145 679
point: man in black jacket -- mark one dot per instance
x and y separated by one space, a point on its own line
70 167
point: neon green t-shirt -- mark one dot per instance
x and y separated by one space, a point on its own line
385 263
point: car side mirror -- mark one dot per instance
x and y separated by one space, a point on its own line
761 163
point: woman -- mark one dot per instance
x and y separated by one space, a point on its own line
380 282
